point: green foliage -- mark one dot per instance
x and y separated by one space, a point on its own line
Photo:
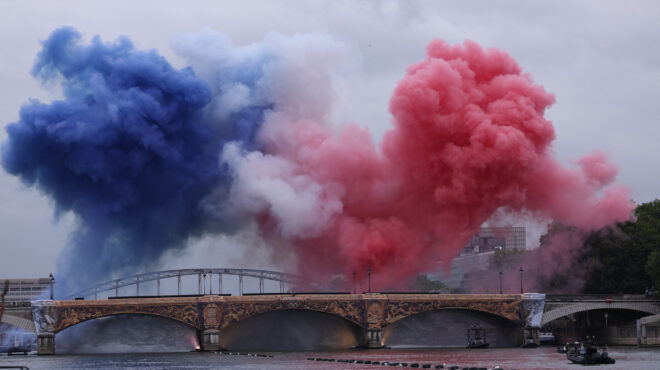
653 268
626 256
623 258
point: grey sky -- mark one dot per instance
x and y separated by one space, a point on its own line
600 58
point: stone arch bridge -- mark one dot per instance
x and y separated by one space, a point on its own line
211 314
557 306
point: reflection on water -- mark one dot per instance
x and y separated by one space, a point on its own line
508 358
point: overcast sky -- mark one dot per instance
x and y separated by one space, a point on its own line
600 58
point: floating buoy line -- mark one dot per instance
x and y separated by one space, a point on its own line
372 362
404 364
249 354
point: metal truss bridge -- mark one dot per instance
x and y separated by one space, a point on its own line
285 280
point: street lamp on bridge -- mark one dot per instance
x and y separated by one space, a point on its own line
204 290
369 277
521 288
354 290
500 282
52 284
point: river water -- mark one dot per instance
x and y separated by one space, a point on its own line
507 358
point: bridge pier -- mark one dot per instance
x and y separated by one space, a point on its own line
531 335
209 340
46 344
372 338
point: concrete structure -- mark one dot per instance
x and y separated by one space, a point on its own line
557 306
648 331
210 315
20 317
22 291
477 254
497 238
462 266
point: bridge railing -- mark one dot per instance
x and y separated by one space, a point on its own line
284 279
597 297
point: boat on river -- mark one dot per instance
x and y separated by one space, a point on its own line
477 337
588 353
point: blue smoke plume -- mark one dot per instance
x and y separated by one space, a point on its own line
130 150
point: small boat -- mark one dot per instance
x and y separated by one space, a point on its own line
587 353
477 337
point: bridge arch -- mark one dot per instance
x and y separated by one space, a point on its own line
128 333
71 317
119 313
19 322
232 322
352 312
292 329
494 314
448 328
563 311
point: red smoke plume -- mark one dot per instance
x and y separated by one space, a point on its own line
469 139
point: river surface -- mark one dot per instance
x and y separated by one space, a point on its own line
507 358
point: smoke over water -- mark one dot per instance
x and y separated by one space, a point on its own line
149 156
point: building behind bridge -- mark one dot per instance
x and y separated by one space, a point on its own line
478 252
22 291
489 239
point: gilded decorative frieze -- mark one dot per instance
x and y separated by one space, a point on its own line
71 315
235 312
509 309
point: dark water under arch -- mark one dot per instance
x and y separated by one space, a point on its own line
448 328
291 330
127 334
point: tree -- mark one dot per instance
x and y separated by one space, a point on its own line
621 258
627 255
653 268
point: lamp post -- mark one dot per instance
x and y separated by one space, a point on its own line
354 291
500 282
521 288
369 277
52 284
210 281
178 283
204 285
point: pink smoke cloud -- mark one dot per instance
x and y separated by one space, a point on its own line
469 138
